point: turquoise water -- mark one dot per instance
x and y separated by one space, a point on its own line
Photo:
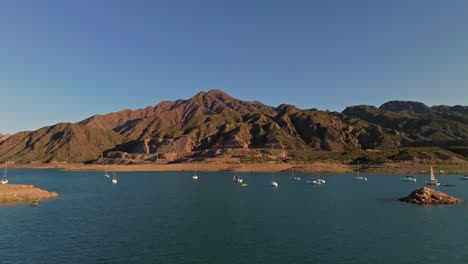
166 217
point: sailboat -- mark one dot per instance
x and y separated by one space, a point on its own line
358 177
106 174
292 177
274 183
195 176
114 179
237 179
5 180
465 177
408 178
432 180
320 180
314 182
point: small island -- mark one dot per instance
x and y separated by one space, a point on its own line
13 193
428 196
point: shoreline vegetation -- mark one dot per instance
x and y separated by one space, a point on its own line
318 167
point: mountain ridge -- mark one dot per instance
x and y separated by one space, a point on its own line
213 122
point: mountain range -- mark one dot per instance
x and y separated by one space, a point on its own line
213 122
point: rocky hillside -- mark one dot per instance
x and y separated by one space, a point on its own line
213 122
418 122
64 142
150 121
3 137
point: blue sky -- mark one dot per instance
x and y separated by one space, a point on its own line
67 60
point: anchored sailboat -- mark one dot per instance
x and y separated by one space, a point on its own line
292 177
106 174
114 179
320 180
274 183
195 176
237 179
5 179
408 178
432 180
358 177
314 182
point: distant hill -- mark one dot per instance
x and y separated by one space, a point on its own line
213 122
64 142
418 122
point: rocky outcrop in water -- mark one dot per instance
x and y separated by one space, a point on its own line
12 193
430 197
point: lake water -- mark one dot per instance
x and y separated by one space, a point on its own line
166 217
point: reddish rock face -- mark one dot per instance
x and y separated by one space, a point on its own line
430 196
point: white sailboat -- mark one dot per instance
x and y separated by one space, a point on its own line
5 179
292 177
408 178
195 176
465 177
314 182
274 183
320 180
237 179
114 179
106 174
358 177
432 180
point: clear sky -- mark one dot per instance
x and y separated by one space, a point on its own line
66 60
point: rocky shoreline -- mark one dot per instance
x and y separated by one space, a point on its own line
14 193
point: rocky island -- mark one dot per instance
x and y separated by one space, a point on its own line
428 196
12 193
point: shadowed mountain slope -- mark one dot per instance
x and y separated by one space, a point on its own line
416 120
151 120
61 142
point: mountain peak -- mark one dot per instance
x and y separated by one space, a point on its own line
217 92
399 106
213 93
